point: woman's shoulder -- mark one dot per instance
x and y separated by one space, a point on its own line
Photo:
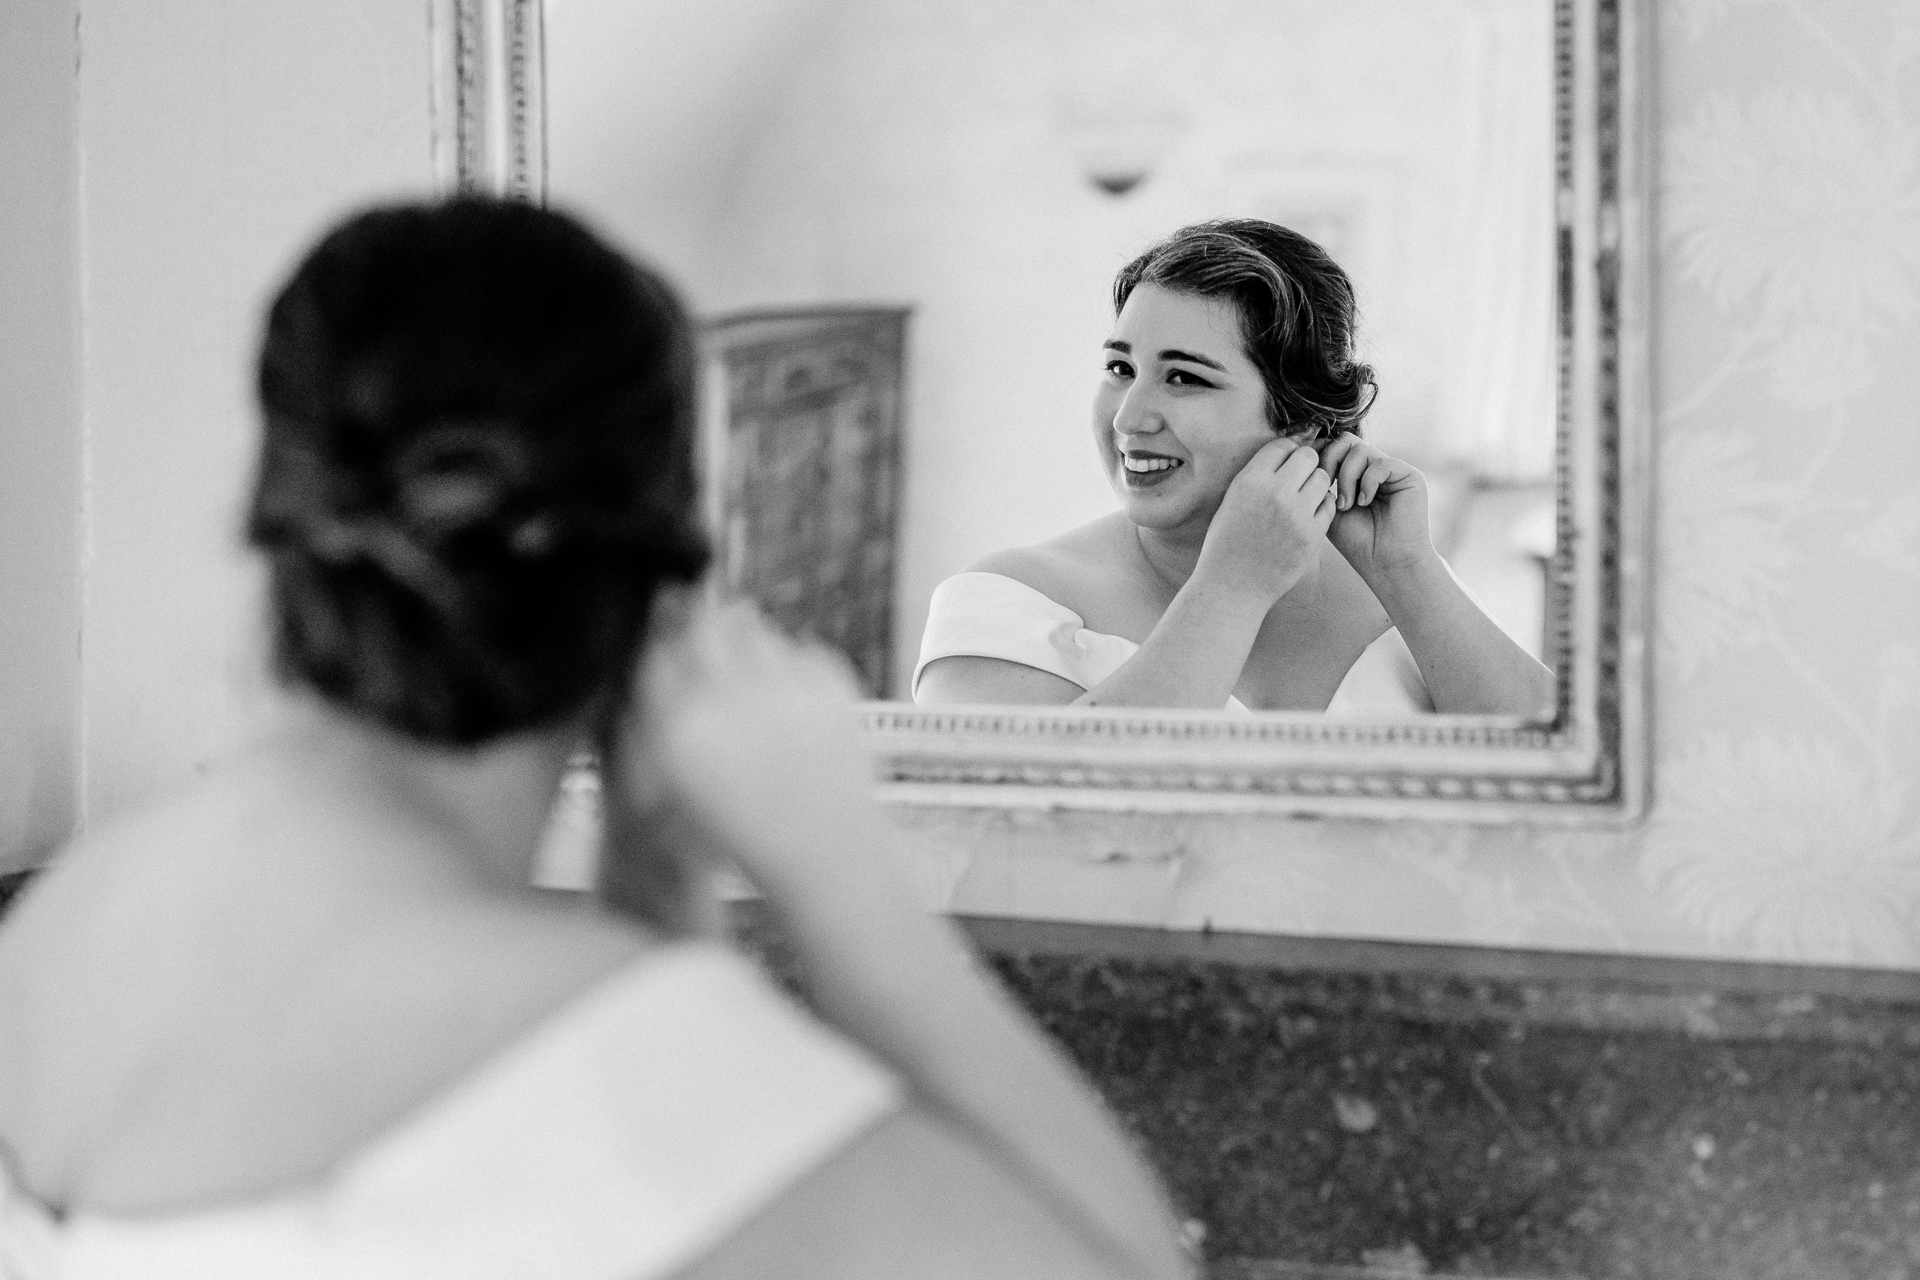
264 992
1063 568
1037 568
1013 627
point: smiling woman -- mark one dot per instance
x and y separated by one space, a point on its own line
1228 426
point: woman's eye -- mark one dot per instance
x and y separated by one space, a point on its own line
1181 378
1119 369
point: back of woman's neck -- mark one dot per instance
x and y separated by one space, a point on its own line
491 799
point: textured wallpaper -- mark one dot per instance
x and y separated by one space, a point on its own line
1789 600
1786 824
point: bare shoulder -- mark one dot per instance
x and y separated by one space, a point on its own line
1062 567
230 870
911 1197
114 888
303 1013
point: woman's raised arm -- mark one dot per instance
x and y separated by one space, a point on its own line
758 740
1469 664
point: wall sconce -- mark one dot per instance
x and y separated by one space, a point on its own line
1117 150
1117 112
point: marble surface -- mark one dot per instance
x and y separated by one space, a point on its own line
1322 1122
1343 1111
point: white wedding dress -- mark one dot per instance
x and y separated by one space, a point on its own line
989 615
621 1139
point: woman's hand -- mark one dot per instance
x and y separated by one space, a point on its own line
1381 526
1268 528
750 742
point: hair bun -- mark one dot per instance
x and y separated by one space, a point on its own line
460 476
476 465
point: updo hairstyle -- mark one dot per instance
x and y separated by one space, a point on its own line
1296 315
476 466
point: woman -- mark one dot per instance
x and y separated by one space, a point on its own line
1228 423
309 1019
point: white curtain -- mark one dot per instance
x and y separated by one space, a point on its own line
1497 393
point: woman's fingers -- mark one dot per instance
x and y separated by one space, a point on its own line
1345 459
1335 448
718 646
1272 455
1380 472
1335 451
1372 476
733 674
1318 485
1329 505
763 654
1300 464
1352 466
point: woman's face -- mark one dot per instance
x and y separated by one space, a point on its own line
1180 409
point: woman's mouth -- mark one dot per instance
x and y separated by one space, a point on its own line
1147 470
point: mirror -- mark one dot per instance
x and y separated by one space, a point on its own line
901 222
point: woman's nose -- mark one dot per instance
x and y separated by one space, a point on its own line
1137 414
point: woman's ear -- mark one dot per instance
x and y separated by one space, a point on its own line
1310 433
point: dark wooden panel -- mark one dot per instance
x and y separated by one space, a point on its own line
810 471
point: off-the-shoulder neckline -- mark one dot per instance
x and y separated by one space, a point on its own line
582 1007
1031 590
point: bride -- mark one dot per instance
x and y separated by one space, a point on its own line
309 1018
1264 556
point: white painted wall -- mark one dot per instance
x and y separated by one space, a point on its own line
174 177
39 413
218 137
656 100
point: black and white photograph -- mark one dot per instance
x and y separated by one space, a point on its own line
855 639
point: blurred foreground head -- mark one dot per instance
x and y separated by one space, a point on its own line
476 467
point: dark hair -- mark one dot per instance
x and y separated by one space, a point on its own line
476 467
1296 314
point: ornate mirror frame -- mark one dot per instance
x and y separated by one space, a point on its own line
1588 764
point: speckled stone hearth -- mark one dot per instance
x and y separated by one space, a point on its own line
1328 1121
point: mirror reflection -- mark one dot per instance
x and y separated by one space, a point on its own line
905 223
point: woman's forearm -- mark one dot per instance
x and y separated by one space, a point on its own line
1470 666
1194 656
756 742
655 866
900 983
